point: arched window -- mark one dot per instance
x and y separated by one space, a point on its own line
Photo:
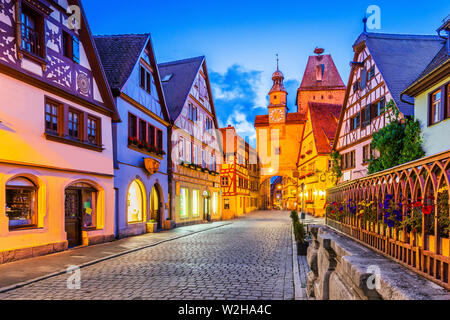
135 203
21 203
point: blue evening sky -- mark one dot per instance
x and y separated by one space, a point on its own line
240 39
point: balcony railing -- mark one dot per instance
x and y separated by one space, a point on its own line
403 213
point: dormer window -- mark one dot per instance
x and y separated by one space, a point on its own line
146 80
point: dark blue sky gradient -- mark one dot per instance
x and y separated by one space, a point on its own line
240 38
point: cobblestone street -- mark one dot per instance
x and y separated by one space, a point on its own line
249 259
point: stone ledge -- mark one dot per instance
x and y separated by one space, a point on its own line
25 253
339 271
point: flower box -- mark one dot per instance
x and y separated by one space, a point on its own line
152 227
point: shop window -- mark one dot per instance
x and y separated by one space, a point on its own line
135 203
183 203
195 203
215 202
21 203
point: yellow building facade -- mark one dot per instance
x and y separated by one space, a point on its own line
239 175
315 163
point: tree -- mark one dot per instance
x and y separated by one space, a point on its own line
398 142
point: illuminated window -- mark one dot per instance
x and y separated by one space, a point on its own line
21 203
195 200
215 202
135 204
183 203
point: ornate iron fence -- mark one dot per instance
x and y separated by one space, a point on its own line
403 213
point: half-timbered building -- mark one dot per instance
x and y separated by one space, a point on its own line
239 175
56 110
194 179
383 66
140 140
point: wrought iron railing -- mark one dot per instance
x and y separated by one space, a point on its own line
402 213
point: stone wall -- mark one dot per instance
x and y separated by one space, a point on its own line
342 269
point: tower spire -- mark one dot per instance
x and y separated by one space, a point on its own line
278 60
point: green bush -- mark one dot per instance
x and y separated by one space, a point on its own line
294 216
299 232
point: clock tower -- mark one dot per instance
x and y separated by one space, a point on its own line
278 133
278 98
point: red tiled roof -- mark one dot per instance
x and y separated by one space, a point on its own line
292 118
330 79
262 120
324 120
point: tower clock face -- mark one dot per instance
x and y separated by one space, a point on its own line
276 115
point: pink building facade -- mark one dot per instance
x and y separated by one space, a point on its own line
56 153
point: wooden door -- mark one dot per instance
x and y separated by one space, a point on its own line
73 217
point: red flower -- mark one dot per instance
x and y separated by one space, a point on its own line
426 210
418 204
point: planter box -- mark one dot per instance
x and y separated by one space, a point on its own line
169 224
152 227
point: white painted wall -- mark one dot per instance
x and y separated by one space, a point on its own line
436 138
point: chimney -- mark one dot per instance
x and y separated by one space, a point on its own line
445 28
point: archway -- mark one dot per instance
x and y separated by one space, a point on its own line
156 206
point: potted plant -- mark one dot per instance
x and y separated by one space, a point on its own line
169 224
152 226
300 237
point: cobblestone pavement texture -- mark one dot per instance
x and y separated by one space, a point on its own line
250 259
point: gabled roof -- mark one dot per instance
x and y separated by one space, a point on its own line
331 78
324 121
119 54
177 88
437 70
400 59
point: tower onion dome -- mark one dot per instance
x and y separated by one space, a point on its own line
278 75
278 85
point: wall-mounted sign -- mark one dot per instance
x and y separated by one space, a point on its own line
151 166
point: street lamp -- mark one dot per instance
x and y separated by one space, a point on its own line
303 201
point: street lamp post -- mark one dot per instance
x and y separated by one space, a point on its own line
303 202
